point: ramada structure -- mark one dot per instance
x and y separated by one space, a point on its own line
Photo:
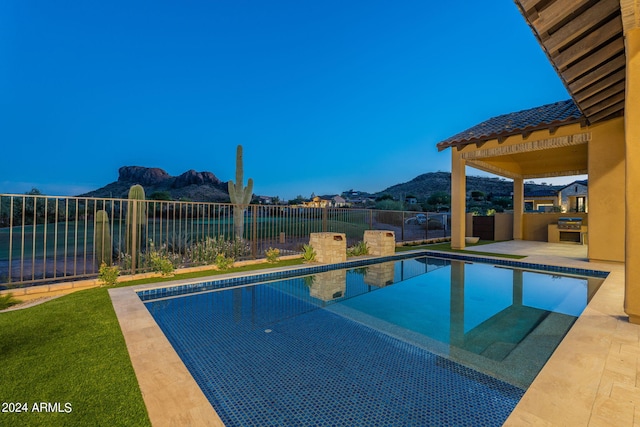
594 45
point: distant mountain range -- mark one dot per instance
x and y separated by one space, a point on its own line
206 187
426 184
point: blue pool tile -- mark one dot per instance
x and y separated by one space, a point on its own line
318 368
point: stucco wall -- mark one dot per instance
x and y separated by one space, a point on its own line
468 224
607 191
504 226
535 224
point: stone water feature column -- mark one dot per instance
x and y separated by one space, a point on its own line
380 242
330 248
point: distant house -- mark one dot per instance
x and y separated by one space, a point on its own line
316 202
541 200
573 197
570 198
411 200
338 202
265 200
326 201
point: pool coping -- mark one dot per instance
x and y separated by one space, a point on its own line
173 397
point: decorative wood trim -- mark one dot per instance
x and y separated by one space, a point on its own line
557 173
488 167
543 144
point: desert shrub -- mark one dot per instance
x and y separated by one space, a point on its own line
179 243
7 300
308 253
206 251
107 275
223 262
272 255
159 259
358 249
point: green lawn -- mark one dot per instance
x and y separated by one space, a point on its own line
69 350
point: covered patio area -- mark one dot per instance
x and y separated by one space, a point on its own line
553 140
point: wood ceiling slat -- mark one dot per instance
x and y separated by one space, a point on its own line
610 111
586 49
580 25
603 105
609 67
600 86
602 95
594 60
584 46
527 5
556 13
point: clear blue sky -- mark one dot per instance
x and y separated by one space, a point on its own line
324 95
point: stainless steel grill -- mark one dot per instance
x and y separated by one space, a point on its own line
569 223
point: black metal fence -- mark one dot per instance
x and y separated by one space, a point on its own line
47 239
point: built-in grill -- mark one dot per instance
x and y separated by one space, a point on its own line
569 223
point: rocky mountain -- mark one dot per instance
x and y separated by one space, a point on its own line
426 184
191 185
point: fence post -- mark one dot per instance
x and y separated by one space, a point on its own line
254 231
426 228
134 238
402 225
325 214
371 219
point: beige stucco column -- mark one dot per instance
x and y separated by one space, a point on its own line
458 199
632 176
518 207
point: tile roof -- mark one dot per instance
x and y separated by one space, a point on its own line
546 116
541 193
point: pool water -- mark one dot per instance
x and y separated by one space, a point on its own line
419 342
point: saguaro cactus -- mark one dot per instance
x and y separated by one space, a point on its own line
240 196
102 238
136 221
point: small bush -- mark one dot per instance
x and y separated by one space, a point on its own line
273 255
223 262
161 264
7 300
159 260
206 251
308 253
358 249
108 276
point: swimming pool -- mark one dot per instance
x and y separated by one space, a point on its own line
409 342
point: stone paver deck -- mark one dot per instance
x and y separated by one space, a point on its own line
590 380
